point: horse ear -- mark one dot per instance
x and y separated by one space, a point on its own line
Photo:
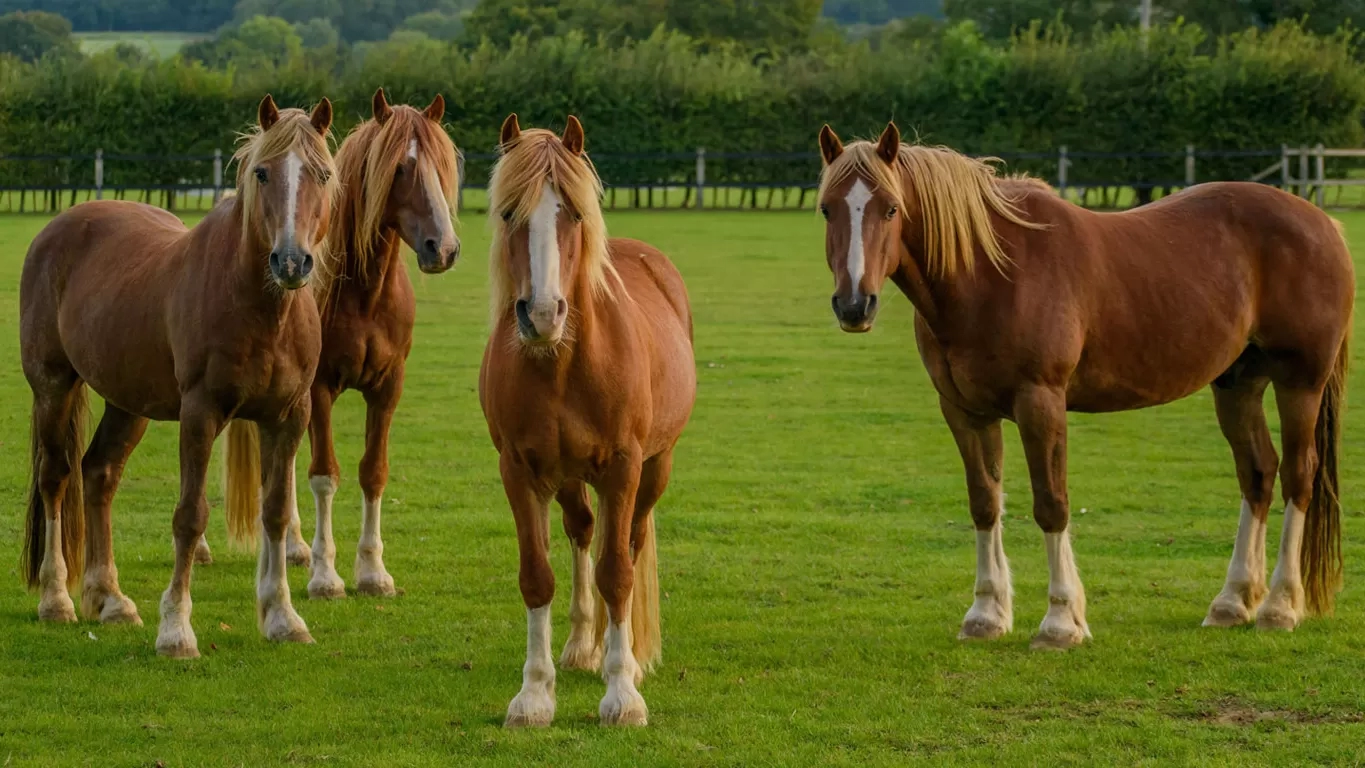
436 109
268 114
511 129
322 116
573 136
380 105
830 146
889 145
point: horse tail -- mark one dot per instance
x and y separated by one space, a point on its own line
645 639
1320 557
242 482
72 500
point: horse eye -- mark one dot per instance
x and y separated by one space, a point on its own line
262 175
324 175
578 218
398 172
891 213
507 215
824 211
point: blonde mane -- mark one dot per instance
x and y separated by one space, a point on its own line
525 164
367 162
293 131
956 195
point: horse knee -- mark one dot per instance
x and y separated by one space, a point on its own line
1051 514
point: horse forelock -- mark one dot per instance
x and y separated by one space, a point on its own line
293 132
526 164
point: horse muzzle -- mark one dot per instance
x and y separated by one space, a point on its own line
857 314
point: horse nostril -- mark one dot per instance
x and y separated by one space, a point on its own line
307 263
561 309
872 303
834 302
275 260
431 246
524 315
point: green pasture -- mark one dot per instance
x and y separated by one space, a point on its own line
163 45
816 559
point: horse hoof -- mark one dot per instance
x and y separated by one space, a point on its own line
121 611
627 708
982 628
57 610
1052 640
376 586
1277 620
294 636
1227 615
579 654
326 589
530 709
182 649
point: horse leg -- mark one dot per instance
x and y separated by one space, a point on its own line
1041 415
582 650
622 704
978 440
1243 422
1285 606
370 576
53 453
534 705
323 474
202 554
200 424
275 615
117 435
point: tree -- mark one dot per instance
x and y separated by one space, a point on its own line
31 35
999 19
317 33
437 25
261 41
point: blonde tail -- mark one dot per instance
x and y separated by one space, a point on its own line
242 484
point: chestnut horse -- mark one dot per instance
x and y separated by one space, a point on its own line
199 326
398 174
1027 307
587 379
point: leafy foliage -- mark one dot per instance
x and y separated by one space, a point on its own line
30 35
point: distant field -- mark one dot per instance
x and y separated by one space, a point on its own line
161 44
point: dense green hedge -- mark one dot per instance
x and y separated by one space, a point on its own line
1112 94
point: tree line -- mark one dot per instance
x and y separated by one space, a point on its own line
671 93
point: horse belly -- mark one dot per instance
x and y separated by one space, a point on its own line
1153 373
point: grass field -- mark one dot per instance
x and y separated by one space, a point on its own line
163 45
816 559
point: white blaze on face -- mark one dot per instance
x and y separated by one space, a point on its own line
544 238
293 169
858 198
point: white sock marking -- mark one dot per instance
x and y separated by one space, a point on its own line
858 197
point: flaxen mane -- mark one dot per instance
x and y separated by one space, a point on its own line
527 162
367 162
293 131
956 195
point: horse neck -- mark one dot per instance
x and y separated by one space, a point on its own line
913 278
367 281
249 282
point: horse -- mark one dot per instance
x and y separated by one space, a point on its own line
1028 307
398 173
587 379
201 326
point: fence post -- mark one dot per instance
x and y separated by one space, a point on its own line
459 182
1189 165
1303 171
99 174
701 177
1322 176
1062 163
1284 167
217 175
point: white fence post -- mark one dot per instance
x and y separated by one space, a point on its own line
1284 167
1062 163
1303 171
1322 176
217 175
701 178
99 174
1189 165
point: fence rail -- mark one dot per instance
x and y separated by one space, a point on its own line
702 178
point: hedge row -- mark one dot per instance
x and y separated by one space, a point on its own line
1114 93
